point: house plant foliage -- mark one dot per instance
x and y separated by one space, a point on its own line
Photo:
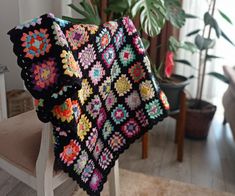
152 14
200 112
173 84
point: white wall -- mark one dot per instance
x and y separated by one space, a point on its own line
13 12
29 9
61 8
9 17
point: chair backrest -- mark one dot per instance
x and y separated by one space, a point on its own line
46 157
45 163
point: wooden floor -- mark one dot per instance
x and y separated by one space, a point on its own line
208 163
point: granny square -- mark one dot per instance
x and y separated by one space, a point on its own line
95 85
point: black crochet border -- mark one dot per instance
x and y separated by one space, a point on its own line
25 63
71 173
48 117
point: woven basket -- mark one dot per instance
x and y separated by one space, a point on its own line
18 101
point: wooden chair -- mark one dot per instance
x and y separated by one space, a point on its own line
179 132
26 152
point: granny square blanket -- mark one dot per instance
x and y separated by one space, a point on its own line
95 85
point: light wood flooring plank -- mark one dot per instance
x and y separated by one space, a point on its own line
22 190
218 182
201 174
226 149
7 183
173 169
66 189
170 167
229 175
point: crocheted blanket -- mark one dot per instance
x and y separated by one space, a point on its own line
95 85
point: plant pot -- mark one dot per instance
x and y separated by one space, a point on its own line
172 90
198 120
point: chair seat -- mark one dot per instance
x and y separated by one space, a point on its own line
20 138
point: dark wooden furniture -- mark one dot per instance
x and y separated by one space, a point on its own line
180 116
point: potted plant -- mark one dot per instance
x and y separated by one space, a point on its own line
200 112
152 13
173 84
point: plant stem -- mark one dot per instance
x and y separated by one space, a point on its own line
205 61
199 80
202 63
200 68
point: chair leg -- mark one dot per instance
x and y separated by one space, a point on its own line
45 162
114 185
180 127
145 146
224 121
177 129
44 189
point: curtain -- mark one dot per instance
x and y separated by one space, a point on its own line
212 88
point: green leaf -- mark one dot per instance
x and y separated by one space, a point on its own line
193 32
115 9
78 10
152 15
191 77
173 44
89 13
226 37
203 43
219 76
174 13
87 6
130 2
72 20
96 2
225 17
159 71
119 6
211 57
209 20
185 62
189 46
146 43
190 16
